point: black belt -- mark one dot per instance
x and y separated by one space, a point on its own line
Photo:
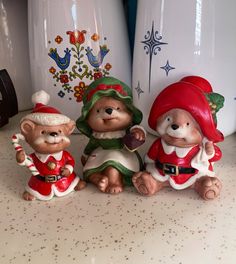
172 169
49 178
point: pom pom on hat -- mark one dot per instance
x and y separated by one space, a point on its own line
40 97
42 114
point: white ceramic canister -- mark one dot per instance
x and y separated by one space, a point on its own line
14 48
72 42
188 37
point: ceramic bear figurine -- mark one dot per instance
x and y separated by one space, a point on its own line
111 122
46 130
184 116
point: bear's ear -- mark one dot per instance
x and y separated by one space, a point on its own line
70 127
27 127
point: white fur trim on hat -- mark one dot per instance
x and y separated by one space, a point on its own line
45 119
40 97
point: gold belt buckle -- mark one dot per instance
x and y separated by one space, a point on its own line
171 169
51 178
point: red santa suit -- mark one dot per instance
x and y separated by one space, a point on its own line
50 182
46 180
183 166
180 166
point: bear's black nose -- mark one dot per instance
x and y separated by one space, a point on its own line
109 111
53 134
174 126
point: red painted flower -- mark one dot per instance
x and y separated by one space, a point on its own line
58 39
76 37
97 75
64 78
108 66
79 91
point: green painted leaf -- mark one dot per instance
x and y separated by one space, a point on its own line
216 102
216 99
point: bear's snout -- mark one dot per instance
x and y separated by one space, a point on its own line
109 111
174 126
53 134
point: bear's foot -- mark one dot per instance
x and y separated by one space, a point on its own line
108 181
28 197
103 184
80 185
114 188
146 184
208 187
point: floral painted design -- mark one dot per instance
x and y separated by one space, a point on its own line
64 78
95 37
108 66
79 91
52 70
61 94
58 39
77 62
77 37
97 75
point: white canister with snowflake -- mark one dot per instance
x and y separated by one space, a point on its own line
189 37
73 42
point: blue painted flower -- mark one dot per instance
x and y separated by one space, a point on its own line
61 94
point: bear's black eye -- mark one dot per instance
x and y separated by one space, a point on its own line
59 131
98 111
43 132
168 119
187 124
118 108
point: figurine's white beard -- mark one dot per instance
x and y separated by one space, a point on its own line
50 139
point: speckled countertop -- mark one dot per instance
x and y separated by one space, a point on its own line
90 227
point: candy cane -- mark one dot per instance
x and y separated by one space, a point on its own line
28 161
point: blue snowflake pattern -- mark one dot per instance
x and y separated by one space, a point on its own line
138 89
167 68
152 45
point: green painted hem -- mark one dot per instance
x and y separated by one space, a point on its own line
127 174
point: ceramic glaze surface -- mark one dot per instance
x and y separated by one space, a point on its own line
73 43
14 48
174 39
90 227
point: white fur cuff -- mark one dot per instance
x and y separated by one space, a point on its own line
139 127
69 167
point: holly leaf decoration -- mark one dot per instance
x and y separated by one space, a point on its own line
216 102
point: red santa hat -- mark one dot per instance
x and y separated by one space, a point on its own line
42 114
192 94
